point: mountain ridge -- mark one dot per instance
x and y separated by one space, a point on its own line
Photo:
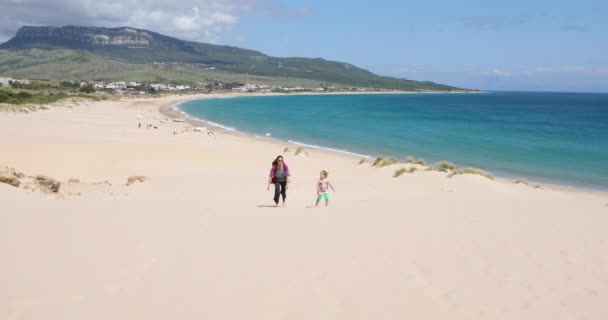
139 46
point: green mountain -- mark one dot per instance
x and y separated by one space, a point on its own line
73 52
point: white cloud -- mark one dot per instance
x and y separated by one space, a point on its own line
199 20
496 72
601 71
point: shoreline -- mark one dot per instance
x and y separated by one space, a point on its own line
172 111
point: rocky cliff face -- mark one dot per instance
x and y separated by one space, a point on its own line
80 37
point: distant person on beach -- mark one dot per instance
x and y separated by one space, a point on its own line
322 188
279 176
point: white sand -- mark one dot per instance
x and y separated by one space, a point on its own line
199 240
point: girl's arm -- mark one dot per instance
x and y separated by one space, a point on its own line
317 186
332 187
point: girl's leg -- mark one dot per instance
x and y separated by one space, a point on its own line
326 199
319 196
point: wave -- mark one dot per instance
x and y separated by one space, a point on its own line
328 149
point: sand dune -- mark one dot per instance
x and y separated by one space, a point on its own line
200 240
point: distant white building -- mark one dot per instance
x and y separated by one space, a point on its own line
9 81
246 88
116 85
5 81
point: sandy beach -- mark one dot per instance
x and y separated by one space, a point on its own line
201 239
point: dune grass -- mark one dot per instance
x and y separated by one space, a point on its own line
362 161
527 183
377 161
398 172
286 149
470 170
411 170
410 159
25 97
421 162
384 161
298 151
445 166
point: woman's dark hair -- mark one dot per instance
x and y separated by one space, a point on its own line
276 160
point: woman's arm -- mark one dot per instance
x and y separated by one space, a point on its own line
287 173
272 171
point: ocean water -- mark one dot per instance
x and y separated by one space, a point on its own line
550 137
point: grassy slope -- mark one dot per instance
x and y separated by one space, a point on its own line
82 65
75 65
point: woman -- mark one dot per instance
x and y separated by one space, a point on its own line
279 175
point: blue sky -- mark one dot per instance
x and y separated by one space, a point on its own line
506 45
535 45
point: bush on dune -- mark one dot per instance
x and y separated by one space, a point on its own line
383 162
525 182
445 166
470 170
399 172
522 181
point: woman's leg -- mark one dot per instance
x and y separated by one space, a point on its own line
284 190
277 192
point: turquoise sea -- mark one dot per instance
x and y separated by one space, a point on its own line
549 137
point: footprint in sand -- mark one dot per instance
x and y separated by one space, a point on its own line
114 288
24 303
78 298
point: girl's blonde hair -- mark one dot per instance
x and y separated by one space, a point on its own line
323 172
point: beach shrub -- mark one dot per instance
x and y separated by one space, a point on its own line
445 166
87 89
4 96
410 159
398 172
470 170
24 95
411 169
377 161
298 151
383 162
525 182
421 162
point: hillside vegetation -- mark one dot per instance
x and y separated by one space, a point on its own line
73 53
